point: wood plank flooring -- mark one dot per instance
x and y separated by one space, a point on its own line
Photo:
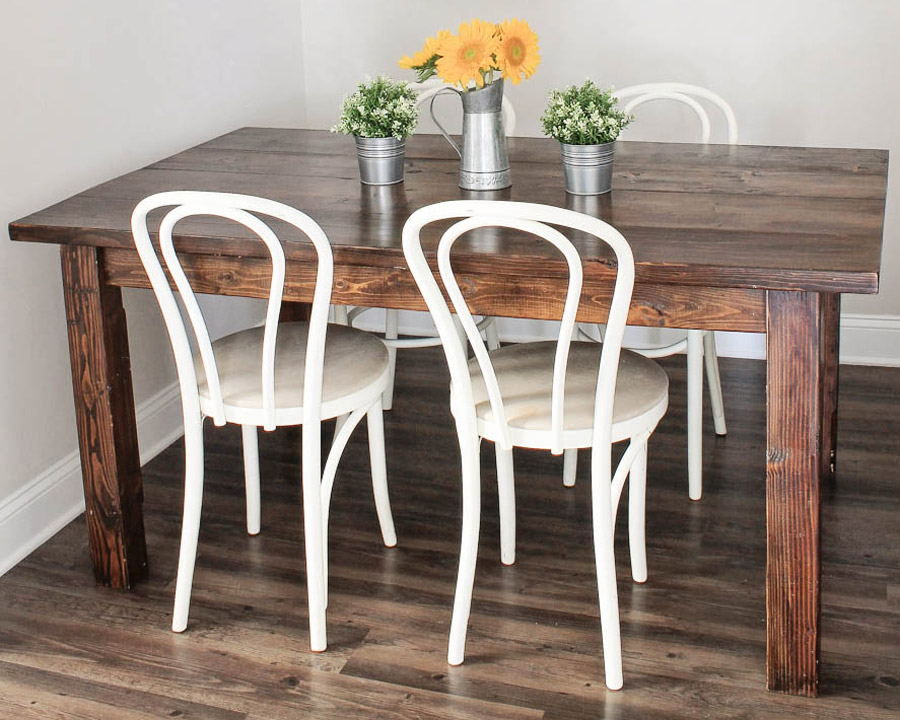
693 635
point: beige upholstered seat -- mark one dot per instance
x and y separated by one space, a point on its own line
354 362
525 376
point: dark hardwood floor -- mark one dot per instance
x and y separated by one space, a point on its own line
693 635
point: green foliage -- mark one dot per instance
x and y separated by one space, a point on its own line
379 108
584 115
426 69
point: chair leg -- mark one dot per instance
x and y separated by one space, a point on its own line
695 413
637 495
313 535
340 314
251 477
344 427
190 523
714 382
391 332
375 421
491 334
506 489
570 466
601 511
461 333
468 549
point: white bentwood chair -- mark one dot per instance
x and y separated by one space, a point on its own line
426 92
278 374
699 345
544 395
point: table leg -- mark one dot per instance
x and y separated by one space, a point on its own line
795 392
104 409
831 340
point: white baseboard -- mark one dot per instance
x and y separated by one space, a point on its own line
865 339
46 504
159 422
870 340
42 507
38 510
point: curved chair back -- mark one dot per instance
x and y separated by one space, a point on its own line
536 220
239 209
689 95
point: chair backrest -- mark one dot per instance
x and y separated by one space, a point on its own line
428 90
536 220
237 208
689 95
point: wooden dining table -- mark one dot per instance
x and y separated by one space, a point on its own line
742 238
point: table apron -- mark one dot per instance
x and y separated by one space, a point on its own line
656 305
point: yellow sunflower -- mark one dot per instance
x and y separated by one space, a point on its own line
464 57
518 54
426 53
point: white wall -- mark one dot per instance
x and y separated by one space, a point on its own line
805 72
89 91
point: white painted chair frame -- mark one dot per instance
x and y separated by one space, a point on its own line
427 92
365 402
606 489
699 345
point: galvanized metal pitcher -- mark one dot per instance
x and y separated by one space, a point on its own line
484 163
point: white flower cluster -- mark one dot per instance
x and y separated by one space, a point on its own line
583 115
379 108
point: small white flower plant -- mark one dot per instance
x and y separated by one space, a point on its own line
584 115
379 108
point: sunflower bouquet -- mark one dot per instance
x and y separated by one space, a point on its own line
480 49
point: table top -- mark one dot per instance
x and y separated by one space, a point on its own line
712 215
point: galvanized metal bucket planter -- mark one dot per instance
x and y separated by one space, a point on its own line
381 160
588 168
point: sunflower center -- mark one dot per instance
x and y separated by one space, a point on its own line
517 51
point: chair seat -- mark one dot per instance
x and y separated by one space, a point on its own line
525 374
356 370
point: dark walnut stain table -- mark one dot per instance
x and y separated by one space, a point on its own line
755 239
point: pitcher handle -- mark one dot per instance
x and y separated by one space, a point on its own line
436 122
